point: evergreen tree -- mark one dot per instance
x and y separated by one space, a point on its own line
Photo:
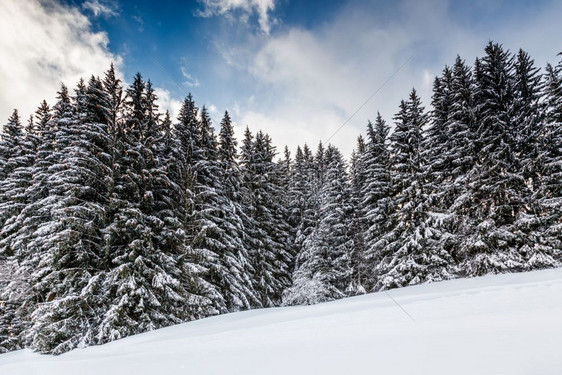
410 255
359 225
324 271
144 286
437 148
13 157
270 240
304 199
496 190
74 245
529 123
549 190
376 205
231 183
219 227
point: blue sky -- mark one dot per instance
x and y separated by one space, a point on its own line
296 69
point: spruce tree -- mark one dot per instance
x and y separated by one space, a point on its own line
376 203
270 232
410 254
359 225
549 189
496 190
217 221
529 123
324 270
75 241
144 286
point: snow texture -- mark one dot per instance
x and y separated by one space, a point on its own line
500 324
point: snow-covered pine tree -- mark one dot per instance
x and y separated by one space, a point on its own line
324 269
202 296
285 175
304 200
143 287
410 255
461 130
359 226
549 190
13 152
436 148
219 227
496 189
376 204
529 122
13 157
75 242
28 235
18 296
296 191
231 182
12 133
269 252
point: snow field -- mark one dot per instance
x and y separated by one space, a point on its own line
501 324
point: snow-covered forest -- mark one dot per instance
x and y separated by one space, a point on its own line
116 219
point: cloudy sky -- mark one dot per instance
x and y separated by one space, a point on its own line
297 69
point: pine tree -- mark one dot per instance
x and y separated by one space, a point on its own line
216 218
269 231
231 180
436 147
201 294
144 286
549 190
13 158
529 123
497 189
75 243
304 199
324 271
13 154
376 205
461 139
410 255
359 225
12 133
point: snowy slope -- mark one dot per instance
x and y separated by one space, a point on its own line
506 324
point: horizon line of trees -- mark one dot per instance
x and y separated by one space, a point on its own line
116 220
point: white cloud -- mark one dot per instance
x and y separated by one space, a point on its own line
189 79
167 103
44 43
309 81
246 7
104 8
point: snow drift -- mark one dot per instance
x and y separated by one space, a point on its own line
503 324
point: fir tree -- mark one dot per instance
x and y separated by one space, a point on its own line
376 205
270 240
144 286
549 190
410 255
496 190
359 225
324 271
72 269
219 227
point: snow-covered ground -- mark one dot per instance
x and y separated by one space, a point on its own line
506 324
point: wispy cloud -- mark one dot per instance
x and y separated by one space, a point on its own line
103 8
309 81
189 79
246 8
